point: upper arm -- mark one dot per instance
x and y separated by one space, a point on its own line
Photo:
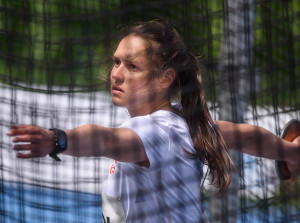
236 135
121 144
225 129
246 138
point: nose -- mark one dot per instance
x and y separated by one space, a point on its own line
117 73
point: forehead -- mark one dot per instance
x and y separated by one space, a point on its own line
131 47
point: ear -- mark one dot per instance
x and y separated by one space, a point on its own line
167 78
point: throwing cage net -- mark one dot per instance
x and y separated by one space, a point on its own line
52 54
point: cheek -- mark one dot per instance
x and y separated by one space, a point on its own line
145 91
139 85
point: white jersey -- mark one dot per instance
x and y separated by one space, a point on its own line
167 191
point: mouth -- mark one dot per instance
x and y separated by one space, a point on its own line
116 90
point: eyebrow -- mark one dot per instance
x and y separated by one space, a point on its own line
115 58
130 58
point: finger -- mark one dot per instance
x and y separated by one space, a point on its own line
23 147
25 155
22 130
16 127
297 140
20 126
26 139
31 154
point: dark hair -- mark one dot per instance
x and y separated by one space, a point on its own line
167 50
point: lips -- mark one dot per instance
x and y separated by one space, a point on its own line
116 89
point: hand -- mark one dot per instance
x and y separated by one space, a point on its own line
37 141
294 168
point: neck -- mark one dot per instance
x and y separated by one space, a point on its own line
150 108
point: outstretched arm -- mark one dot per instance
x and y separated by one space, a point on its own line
258 141
121 144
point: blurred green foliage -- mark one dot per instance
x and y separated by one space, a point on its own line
277 51
70 43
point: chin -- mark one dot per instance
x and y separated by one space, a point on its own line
118 102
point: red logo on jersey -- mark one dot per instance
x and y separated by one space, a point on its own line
112 168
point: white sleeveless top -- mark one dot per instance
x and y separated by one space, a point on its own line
167 191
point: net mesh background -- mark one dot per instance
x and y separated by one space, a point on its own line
54 56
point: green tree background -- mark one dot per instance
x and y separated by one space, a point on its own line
69 43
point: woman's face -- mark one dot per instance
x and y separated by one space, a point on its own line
131 86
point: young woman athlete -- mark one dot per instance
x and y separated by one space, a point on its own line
161 150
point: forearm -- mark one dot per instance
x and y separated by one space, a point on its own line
258 141
87 140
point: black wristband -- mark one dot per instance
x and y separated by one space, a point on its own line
60 141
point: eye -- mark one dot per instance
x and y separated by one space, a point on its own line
116 62
132 67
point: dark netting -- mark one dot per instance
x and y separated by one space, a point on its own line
55 54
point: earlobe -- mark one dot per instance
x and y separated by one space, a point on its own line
168 78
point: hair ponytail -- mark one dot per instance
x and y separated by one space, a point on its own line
166 50
208 142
